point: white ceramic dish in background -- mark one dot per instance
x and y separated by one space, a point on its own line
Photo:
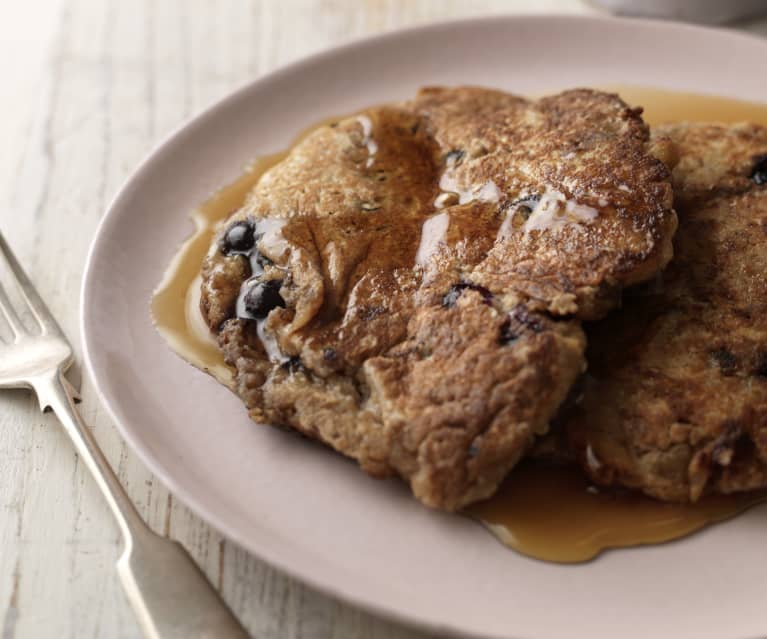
314 514
710 11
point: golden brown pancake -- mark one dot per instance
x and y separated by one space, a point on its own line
406 286
676 400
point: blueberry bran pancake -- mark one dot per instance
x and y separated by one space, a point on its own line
407 285
676 400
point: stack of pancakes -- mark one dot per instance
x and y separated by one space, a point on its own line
442 287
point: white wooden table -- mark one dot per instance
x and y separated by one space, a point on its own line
88 88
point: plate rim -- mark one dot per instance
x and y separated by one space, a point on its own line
279 559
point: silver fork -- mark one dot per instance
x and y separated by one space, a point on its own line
170 595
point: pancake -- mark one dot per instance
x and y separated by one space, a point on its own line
407 285
676 400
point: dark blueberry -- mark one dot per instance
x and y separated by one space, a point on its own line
455 156
520 314
761 365
368 313
726 361
473 450
451 297
239 237
263 297
293 365
507 334
329 354
759 172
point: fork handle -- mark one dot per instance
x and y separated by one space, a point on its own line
169 593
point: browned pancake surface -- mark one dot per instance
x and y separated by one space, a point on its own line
432 261
676 403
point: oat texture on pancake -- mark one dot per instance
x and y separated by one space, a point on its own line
676 400
407 285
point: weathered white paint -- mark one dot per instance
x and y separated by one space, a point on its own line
88 88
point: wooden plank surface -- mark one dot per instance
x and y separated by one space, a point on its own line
89 87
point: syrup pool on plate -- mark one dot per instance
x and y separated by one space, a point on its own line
176 303
553 513
547 512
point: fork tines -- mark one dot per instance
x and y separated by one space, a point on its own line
28 303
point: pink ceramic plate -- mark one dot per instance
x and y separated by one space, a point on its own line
310 512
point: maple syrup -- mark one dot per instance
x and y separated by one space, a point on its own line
176 303
554 513
551 513
662 106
